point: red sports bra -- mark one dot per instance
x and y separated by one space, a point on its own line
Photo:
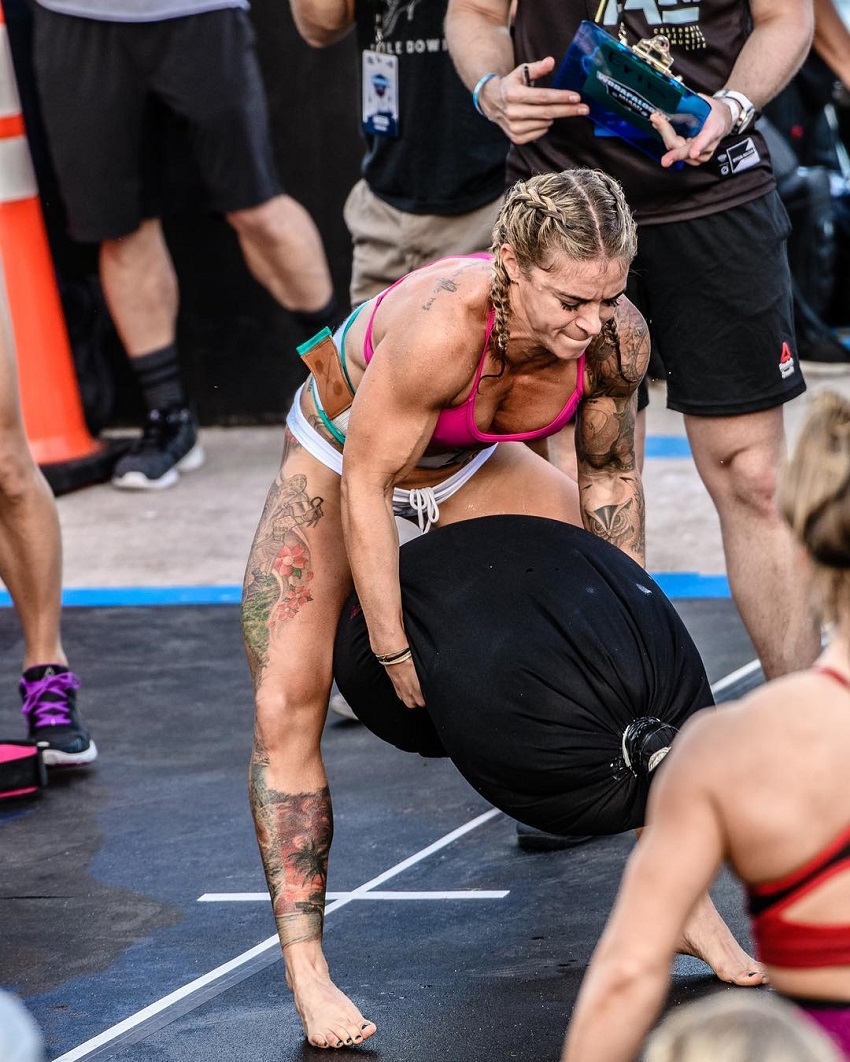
456 427
796 944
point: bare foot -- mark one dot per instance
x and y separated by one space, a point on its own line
707 937
329 1017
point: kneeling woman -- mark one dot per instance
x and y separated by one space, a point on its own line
763 784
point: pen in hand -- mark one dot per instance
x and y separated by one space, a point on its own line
526 76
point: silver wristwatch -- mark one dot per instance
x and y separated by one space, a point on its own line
742 109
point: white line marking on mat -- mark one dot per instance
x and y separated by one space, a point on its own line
90 1046
735 676
451 894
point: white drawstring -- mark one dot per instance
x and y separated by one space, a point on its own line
424 503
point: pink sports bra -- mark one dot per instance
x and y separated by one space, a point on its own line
456 427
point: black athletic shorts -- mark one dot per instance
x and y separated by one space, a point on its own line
716 293
97 81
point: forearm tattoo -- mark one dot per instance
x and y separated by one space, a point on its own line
607 465
294 832
621 523
280 567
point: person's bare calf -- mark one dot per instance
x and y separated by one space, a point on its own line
294 832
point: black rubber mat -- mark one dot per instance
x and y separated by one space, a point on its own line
100 877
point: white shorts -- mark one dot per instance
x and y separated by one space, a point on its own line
419 503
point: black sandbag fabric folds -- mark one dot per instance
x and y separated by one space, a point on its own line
537 645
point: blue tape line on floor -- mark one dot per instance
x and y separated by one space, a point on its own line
674 584
667 446
678 585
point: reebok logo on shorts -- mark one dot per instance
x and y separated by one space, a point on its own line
738 157
786 362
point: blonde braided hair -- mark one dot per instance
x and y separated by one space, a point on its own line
814 496
576 214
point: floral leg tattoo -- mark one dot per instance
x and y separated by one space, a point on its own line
280 568
294 832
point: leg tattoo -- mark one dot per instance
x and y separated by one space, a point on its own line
294 831
280 567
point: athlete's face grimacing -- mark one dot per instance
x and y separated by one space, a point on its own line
566 306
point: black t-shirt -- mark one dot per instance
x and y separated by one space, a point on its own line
705 38
447 159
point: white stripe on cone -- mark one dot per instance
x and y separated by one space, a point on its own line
10 101
17 177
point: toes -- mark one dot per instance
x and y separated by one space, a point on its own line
358 1031
338 1036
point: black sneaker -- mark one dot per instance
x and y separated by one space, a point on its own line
169 445
49 693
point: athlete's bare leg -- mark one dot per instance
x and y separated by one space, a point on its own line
296 582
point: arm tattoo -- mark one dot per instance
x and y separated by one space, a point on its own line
294 832
622 522
619 357
608 474
280 567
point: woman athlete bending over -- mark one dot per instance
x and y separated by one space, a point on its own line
450 370
762 784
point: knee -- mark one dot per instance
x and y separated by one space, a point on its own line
289 718
19 476
263 224
748 478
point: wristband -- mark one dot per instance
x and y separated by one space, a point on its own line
746 110
476 92
398 657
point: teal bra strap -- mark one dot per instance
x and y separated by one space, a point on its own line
351 318
324 418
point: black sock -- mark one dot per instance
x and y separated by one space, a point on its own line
158 374
313 321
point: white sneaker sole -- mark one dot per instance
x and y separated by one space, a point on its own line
139 481
56 758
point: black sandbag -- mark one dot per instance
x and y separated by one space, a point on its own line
538 646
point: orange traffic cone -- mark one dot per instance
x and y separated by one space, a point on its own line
31 309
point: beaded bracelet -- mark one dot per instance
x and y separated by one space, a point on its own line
476 92
398 657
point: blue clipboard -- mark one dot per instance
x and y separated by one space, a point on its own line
623 87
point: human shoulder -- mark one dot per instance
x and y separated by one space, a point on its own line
725 738
434 323
619 357
446 302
